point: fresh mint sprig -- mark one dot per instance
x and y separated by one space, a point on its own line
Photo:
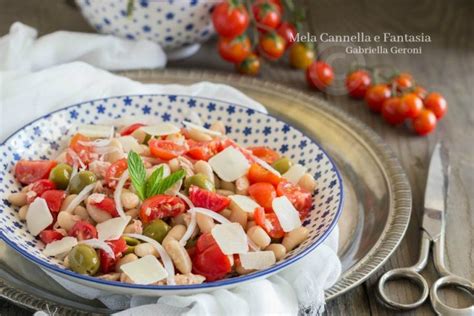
137 172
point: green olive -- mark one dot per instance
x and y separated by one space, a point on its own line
282 165
199 180
80 181
131 241
83 259
157 230
130 249
60 175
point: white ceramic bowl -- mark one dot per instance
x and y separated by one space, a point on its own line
44 137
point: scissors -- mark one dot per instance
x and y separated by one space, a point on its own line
432 235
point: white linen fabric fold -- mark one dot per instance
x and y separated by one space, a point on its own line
25 96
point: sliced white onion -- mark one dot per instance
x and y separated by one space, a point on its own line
193 117
73 173
99 244
168 264
106 150
96 143
265 165
201 129
185 199
80 197
221 219
75 157
118 194
190 230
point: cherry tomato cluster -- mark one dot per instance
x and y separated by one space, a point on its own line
398 100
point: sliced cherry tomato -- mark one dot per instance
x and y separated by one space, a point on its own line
229 19
272 45
437 104
267 15
107 205
263 193
319 75
210 261
84 152
29 171
54 199
410 106
202 150
161 206
376 96
48 236
249 66
357 83
107 263
269 222
130 129
236 49
259 174
265 153
288 32
403 81
83 230
208 199
301 55
390 111
115 171
425 122
39 187
165 149
300 198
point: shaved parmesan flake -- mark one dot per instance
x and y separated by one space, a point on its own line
193 117
243 202
99 244
231 238
96 131
80 197
160 129
257 260
265 165
201 129
295 173
288 216
230 164
118 193
113 228
146 270
58 247
96 143
129 143
38 217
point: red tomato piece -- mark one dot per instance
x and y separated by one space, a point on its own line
39 187
263 193
107 205
202 150
107 263
165 149
54 199
207 199
265 153
115 171
269 222
161 206
84 152
48 236
300 198
259 174
210 261
130 129
83 230
29 171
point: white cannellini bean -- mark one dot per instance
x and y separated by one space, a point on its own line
129 199
259 236
18 199
67 201
125 259
307 182
174 164
22 212
205 223
133 213
229 186
135 227
145 249
82 213
96 213
242 185
124 278
179 255
278 249
225 192
188 278
176 233
239 216
295 237
198 136
226 213
118 152
139 135
67 220
204 168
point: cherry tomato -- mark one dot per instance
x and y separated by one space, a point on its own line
277 3
357 83
107 205
84 152
29 171
259 174
161 206
210 262
249 66
130 129
265 153
263 193
165 149
376 96
230 20
39 187
267 15
202 150
272 45
269 222
437 104
208 199
236 49
83 230
390 111
288 32
300 198
107 263
420 92
301 55
48 236
115 171
403 81
54 199
410 105
319 75
424 123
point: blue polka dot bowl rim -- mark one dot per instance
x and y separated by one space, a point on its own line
171 23
47 136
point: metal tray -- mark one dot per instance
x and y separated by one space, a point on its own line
378 197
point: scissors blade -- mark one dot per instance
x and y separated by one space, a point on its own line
435 195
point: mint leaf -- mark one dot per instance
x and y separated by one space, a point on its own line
170 180
153 182
137 173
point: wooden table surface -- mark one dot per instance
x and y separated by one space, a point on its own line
446 64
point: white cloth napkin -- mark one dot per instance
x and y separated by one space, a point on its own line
25 96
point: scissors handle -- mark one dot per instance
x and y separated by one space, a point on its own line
451 280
